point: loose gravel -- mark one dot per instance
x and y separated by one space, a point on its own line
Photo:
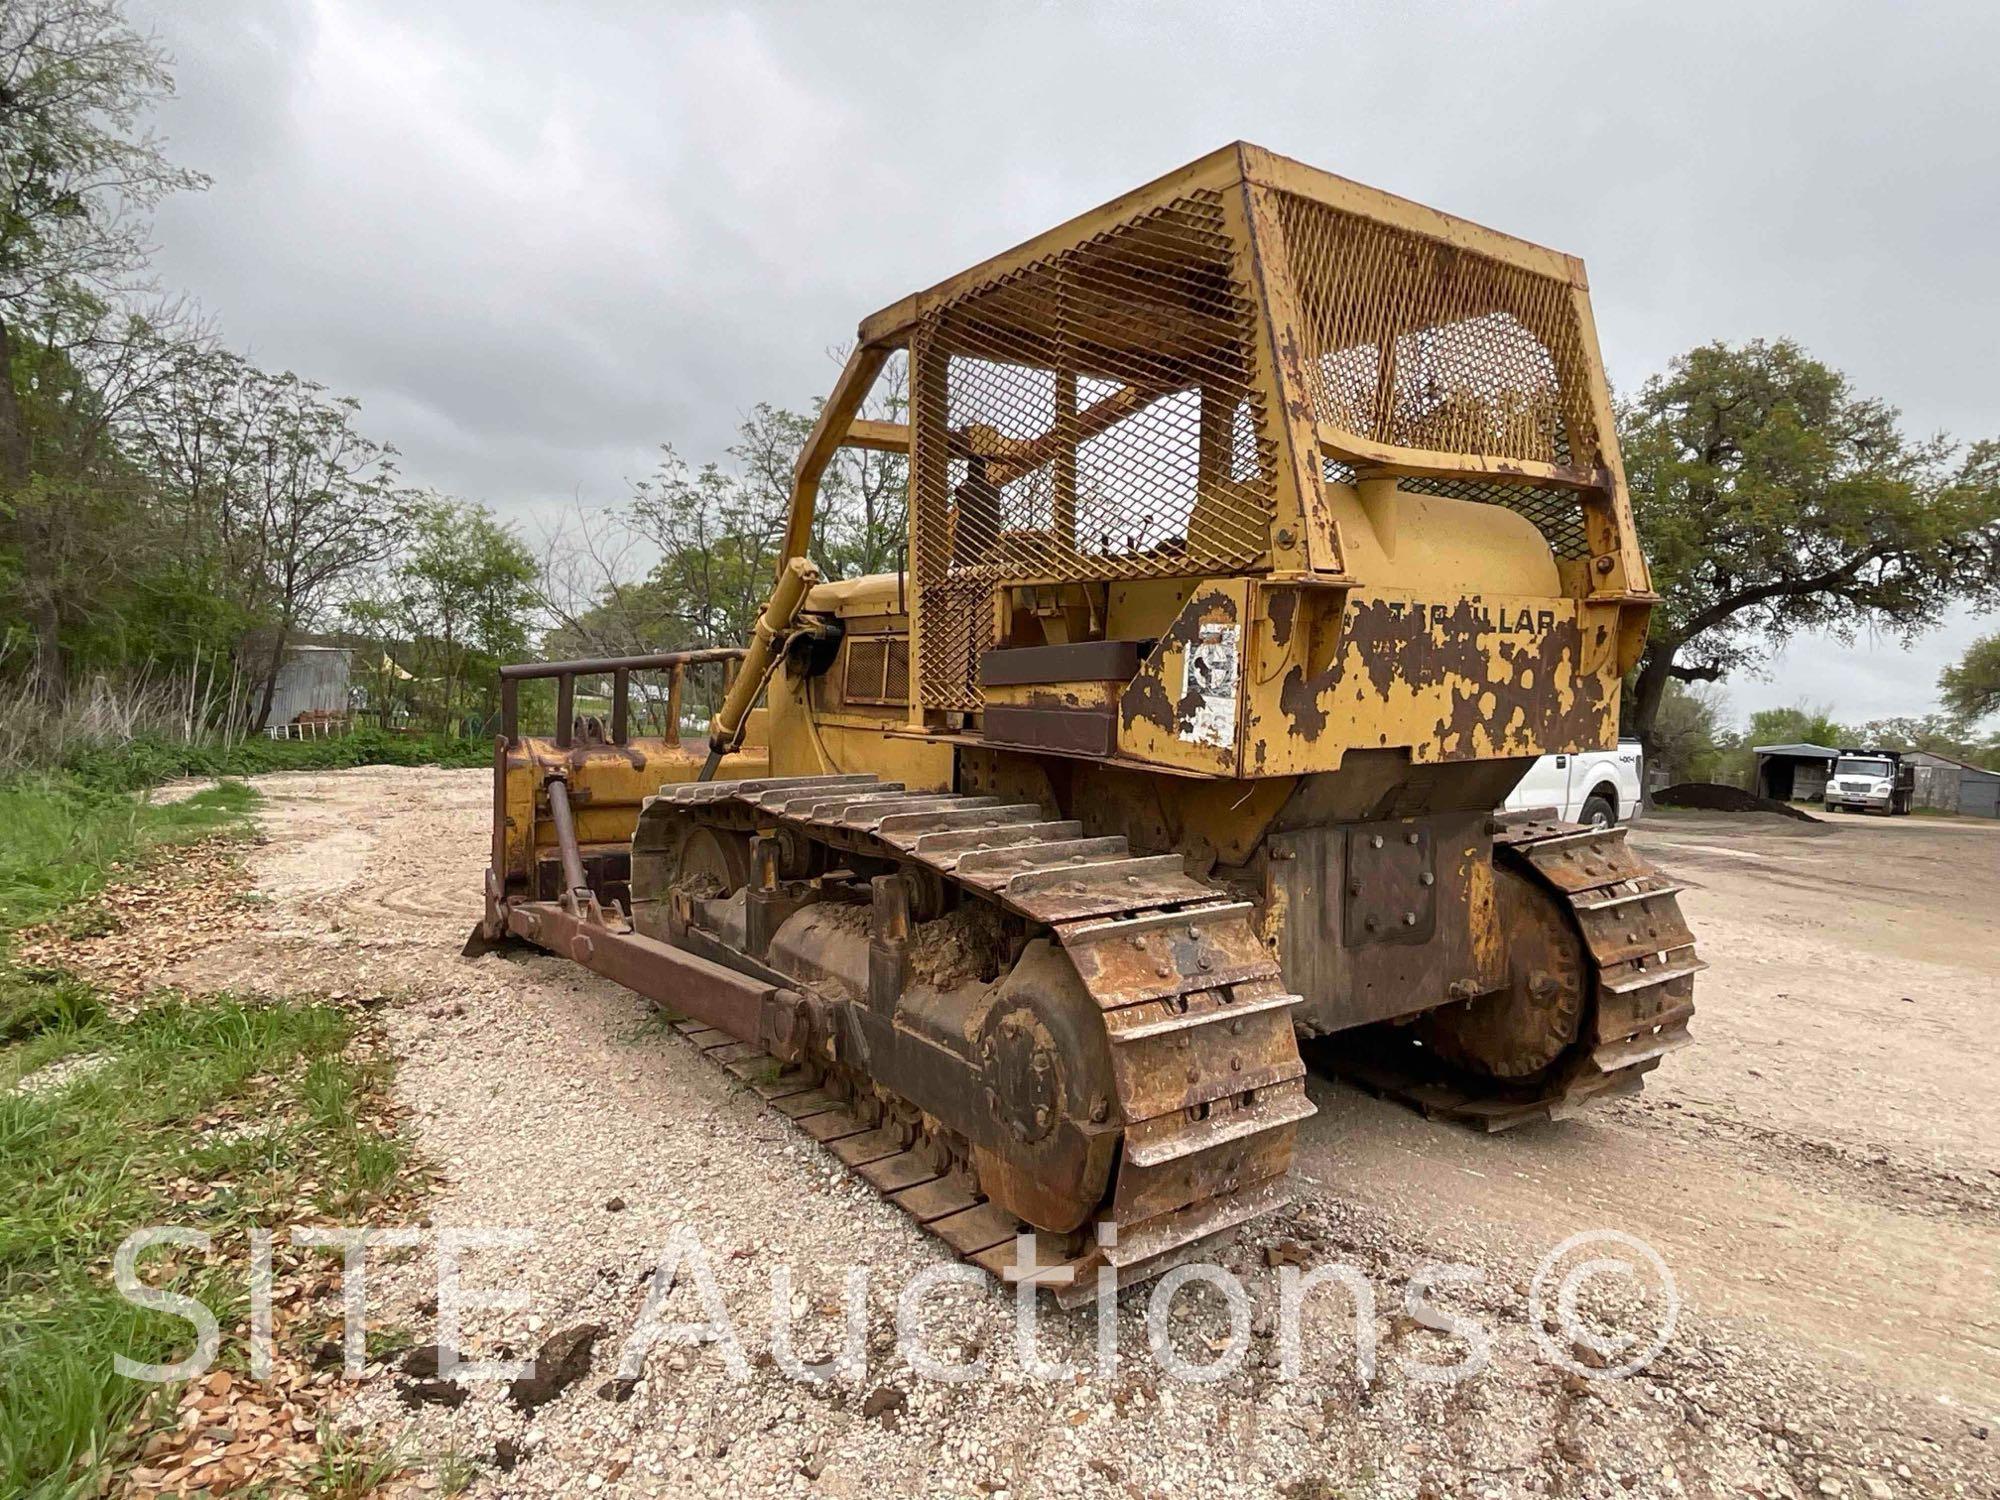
559 1106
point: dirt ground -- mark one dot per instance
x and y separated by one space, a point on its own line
1820 1174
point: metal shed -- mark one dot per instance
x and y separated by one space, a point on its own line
1979 793
312 679
1951 785
1794 773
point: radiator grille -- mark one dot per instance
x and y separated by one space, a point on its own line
878 670
1090 416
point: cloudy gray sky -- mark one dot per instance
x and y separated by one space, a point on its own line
537 240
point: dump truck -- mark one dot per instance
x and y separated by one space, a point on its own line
1263 529
1871 779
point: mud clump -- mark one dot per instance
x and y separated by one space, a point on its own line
961 946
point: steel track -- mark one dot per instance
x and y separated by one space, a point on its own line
1206 1077
1639 996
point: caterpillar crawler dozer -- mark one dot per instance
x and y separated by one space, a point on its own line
1263 529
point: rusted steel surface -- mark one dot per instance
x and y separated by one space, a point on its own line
1074 731
1614 1012
1083 661
1198 1071
683 982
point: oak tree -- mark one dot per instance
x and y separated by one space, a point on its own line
1971 686
1775 499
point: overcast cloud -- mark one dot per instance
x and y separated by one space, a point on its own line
537 241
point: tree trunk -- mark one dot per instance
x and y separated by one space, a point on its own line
1649 691
50 675
42 586
284 631
13 427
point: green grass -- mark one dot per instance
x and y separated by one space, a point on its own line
61 836
350 1468
141 763
85 1163
61 841
456 1471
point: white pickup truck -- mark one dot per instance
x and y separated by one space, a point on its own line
1599 787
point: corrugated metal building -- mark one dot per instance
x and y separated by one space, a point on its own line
312 680
1949 785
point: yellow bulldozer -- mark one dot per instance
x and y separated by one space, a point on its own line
1263 529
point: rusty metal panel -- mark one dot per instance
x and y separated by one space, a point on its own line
1186 707
1082 661
1583 860
1391 889
1163 954
1640 924
1461 678
892 1174
723 998
1091 891
1174 1054
939 1198
1080 731
870 1146
975 1229
1348 979
1170 1163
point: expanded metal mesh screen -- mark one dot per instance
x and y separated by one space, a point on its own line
878 669
1557 514
1415 342
1089 417
1092 415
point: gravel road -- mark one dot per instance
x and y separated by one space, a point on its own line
1818 1174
